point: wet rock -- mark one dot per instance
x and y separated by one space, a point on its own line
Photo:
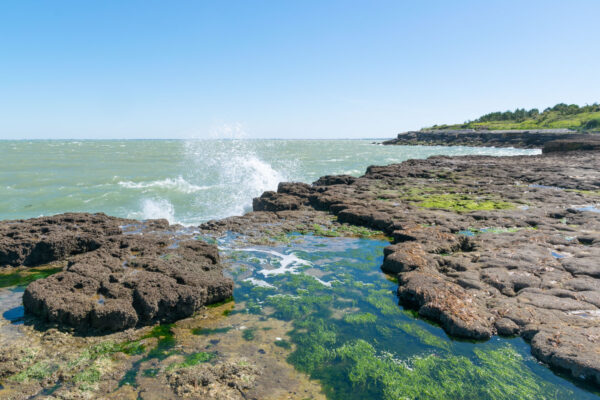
445 302
506 327
272 201
43 240
122 280
225 380
556 349
405 258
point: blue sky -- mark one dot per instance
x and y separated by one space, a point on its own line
285 69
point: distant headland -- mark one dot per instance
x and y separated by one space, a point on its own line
519 128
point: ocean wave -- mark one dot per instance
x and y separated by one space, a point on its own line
178 184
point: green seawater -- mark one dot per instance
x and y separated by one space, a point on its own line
351 335
186 181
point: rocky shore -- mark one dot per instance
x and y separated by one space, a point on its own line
485 245
481 245
529 139
118 275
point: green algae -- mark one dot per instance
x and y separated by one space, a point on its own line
26 276
85 369
293 307
426 337
163 349
86 378
38 371
585 192
277 237
284 344
495 230
150 372
338 230
461 203
497 374
451 200
360 318
192 359
383 301
248 334
382 350
227 312
214 331
220 303
318 230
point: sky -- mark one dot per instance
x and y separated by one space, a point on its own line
107 69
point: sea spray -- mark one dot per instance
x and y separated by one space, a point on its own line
155 209
234 167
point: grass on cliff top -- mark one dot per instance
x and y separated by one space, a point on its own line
561 116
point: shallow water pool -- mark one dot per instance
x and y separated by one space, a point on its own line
350 334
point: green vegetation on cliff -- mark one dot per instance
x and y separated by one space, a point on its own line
561 116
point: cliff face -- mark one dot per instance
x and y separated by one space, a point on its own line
535 138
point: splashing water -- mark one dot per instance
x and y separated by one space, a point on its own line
155 209
237 169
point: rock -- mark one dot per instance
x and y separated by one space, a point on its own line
225 380
272 201
530 138
43 240
405 258
114 280
506 327
329 180
577 143
558 349
445 302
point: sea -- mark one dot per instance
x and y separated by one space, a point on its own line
184 181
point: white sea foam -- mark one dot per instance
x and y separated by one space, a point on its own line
178 184
155 209
287 262
259 283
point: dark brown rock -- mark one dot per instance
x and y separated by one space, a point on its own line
114 280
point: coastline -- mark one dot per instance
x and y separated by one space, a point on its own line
481 245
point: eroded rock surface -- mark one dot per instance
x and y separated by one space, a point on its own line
116 278
484 245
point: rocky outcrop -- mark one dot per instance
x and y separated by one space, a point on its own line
529 139
116 278
485 245
591 143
